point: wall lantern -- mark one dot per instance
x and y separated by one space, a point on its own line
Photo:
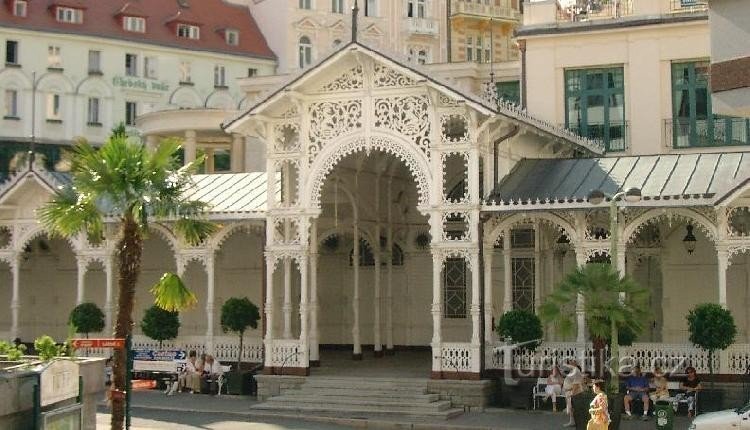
562 245
689 241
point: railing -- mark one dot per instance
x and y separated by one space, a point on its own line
708 132
614 135
597 10
423 26
285 353
671 358
688 6
471 7
226 348
457 357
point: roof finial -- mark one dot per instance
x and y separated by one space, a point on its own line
355 12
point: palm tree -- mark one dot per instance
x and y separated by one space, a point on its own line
606 313
128 186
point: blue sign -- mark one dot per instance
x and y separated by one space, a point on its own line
154 355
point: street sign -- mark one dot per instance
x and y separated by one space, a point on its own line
155 355
99 343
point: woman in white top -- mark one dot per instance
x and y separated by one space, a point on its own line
554 386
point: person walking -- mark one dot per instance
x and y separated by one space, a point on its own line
599 409
572 385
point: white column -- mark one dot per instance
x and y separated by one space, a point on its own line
210 273
314 336
723 261
357 347
190 148
237 155
287 308
81 279
378 343
389 275
437 312
475 302
15 304
108 303
304 310
580 304
270 265
537 267
489 330
507 273
209 163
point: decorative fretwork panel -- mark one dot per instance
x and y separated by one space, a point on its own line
329 120
352 79
739 221
385 77
286 138
408 116
523 283
455 288
454 128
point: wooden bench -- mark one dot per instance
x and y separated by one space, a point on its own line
538 391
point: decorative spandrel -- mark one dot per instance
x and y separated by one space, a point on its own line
352 79
331 119
385 77
408 115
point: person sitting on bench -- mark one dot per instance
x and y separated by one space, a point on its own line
211 372
637 386
189 378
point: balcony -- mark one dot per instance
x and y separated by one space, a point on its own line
688 6
596 10
614 135
426 26
717 131
471 8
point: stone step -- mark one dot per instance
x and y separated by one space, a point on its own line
360 383
353 392
345 410
363 401
364 387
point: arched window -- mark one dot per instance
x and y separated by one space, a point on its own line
422 56
367 258
305 52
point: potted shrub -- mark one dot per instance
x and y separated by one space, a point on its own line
237 314
712 329
160 324
523 330
87 318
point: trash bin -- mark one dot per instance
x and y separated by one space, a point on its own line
664 415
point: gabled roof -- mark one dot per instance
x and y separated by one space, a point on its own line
664 180
417 72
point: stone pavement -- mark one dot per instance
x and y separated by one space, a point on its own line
234 410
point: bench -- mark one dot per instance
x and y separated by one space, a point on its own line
538 391
222 379
675 389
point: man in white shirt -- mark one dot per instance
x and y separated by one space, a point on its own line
212 371
572 385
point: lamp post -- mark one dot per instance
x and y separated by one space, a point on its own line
596 197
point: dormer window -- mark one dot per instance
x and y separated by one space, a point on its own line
69 15
20 7
134 23
232 37
188 31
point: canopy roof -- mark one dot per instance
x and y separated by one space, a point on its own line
665 180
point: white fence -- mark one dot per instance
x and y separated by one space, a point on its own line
286 353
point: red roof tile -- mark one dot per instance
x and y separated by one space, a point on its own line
103 18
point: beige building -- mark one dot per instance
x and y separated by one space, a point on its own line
730 56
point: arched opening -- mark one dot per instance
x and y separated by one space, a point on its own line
305 52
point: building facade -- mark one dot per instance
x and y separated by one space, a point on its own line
730 56
77 71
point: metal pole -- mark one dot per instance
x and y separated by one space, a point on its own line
32 145
128 377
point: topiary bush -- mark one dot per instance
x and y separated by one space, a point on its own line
87 318
159 324
237 314
522 328
712 329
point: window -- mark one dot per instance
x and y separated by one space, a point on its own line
131 65
478 50
185 67
595 105
417 9
11 52
53 107
454 288
422 56
11 104
54 60
336 43
69 15
92 117
305 4
305 52
469 48
220 76
20 7
134 23
131 112
150 66
337 6
232 37
522 271
693 122
252 72
95 61
487 47
371 8
188 31
509 91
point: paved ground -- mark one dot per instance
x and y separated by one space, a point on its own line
153 410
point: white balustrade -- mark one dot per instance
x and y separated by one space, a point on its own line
226 348
738 359
457 357
423 26
672 358
285 353
472 8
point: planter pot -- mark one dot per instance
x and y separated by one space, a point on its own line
581 403
240 383
616 407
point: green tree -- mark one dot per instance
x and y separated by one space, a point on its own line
130 186
160 324
601 288
237 314
712 329
522 328
87 318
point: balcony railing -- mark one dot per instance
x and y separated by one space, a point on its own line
471 7
422 26
597 10
688 6
709 132
614 135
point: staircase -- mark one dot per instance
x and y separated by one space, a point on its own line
357 397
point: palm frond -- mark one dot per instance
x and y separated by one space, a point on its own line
69 213
171 294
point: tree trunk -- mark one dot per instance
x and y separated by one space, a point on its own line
598 344
239 357
129 251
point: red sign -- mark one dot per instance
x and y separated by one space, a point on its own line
99 343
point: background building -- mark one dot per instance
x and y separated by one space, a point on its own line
76 69
730 56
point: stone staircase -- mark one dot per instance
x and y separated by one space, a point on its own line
361 397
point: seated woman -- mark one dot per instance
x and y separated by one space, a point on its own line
691 386
659 382
190 377
554 386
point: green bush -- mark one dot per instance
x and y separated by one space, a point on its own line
13 352
712 329
159 324
47 349
522 328
237 314
87 318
